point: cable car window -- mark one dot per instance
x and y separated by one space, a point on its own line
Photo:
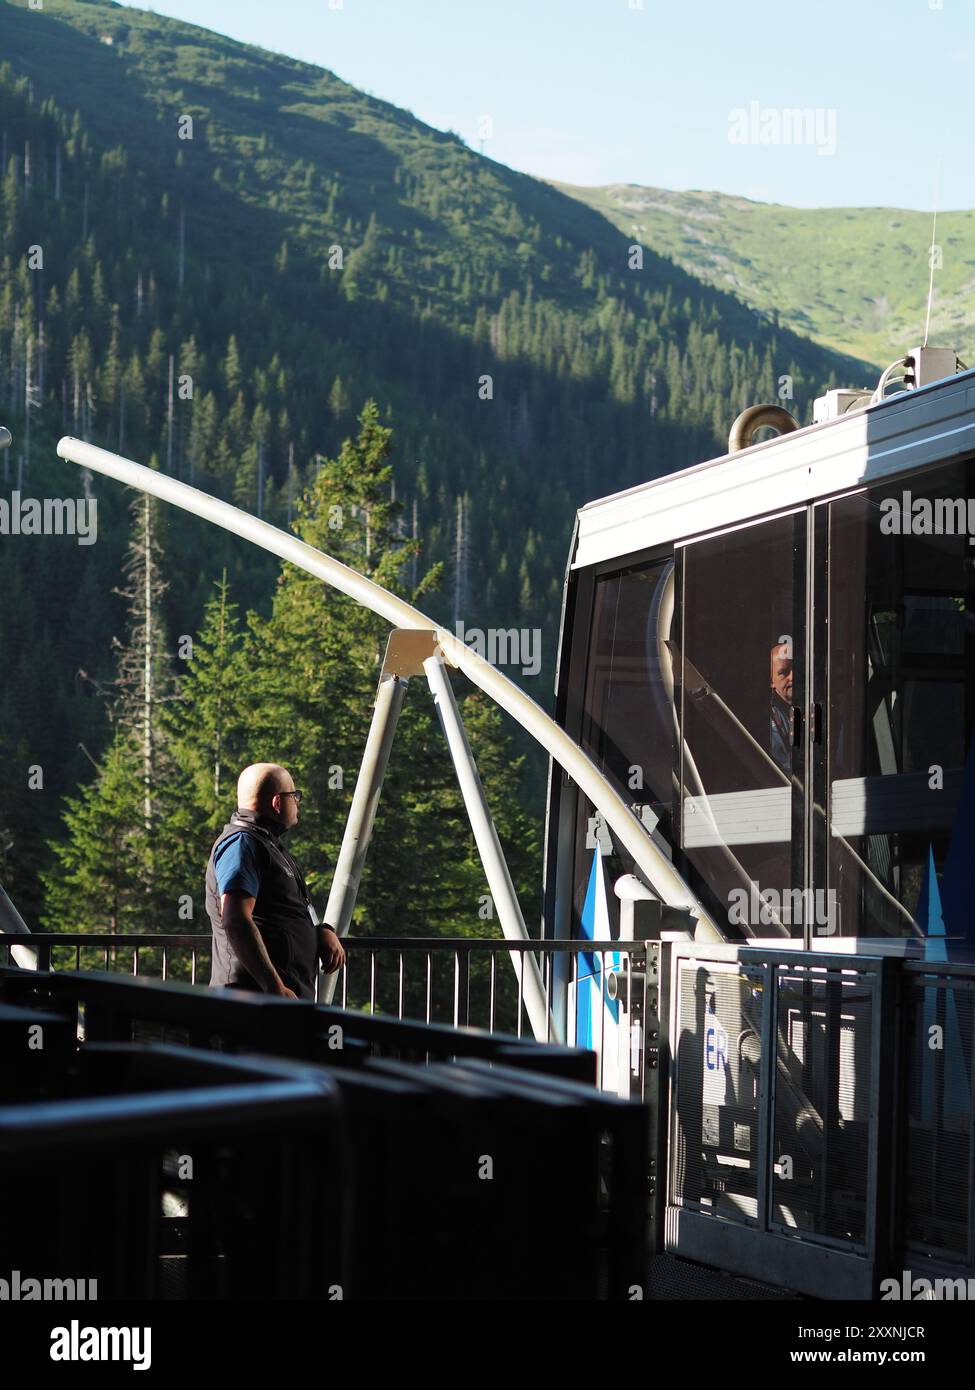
901 770
742 677
628 719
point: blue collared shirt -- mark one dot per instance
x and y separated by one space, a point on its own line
237 866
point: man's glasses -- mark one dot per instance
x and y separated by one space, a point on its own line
296 795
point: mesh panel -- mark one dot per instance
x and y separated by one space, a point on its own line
939 1117
718 1064
672 1279
821 1115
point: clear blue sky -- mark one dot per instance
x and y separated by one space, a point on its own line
624 91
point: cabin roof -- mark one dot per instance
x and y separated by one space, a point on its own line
899 435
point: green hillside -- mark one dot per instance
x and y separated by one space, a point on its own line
854 279
308 248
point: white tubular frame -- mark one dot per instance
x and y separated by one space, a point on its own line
544 1026
629 830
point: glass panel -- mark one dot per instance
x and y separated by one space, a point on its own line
628 721
823 1089
717 1067
743 678
901 671
939 1117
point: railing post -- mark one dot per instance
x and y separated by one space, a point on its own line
462 988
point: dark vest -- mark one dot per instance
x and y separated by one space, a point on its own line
281 913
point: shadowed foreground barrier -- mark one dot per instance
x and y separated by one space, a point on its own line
366 1171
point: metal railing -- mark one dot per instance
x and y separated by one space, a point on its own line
453 980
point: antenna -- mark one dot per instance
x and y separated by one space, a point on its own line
934 232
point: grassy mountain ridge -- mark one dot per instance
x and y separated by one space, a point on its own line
298 140
853 279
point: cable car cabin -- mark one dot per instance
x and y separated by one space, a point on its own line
772 656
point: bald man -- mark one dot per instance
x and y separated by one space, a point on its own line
265 935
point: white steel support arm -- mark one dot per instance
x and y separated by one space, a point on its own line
12 924
628 829
362 814
489 848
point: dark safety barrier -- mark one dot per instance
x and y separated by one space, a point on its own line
366 1158
83 1179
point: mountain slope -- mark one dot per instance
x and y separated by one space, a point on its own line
853 279
311 245
308 247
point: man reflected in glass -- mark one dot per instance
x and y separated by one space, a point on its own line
780 715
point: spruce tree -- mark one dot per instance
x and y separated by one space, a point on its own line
314 667
108 869
203 727
144 672
315 661
102 866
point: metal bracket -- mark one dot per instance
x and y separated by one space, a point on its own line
406 651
